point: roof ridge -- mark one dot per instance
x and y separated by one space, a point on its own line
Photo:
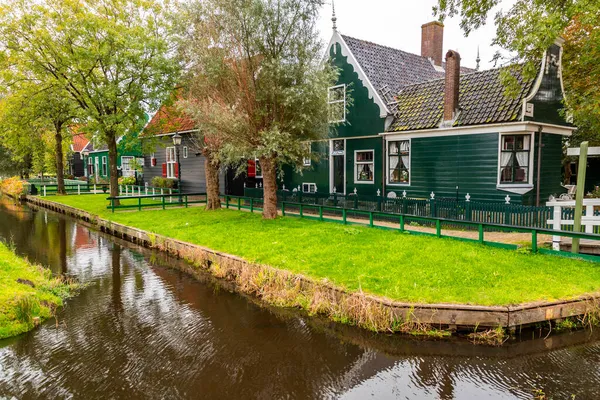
385 46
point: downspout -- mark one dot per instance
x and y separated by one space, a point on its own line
539 166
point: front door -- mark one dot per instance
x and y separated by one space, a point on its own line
338 167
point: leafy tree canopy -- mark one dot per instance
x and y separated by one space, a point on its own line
528 28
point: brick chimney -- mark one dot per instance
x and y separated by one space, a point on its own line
451 87
432 41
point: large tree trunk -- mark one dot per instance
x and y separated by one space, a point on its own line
112 165
211 169
60 177
269 173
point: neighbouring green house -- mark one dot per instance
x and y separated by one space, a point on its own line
419 125
129 157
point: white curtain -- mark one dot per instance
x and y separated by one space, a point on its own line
394 160
406 162
523 159
505 159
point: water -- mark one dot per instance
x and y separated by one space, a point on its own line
144 330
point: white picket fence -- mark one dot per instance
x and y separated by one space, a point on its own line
589 221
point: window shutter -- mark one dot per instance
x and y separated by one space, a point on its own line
164 170
251 168
176 165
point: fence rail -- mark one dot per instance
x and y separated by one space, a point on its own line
459 210
156 201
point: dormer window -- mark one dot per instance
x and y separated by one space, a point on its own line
337 103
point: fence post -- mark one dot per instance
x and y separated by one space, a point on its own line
78 190
335 199
44 190
468 215
94 188
171 195
299 196
371 219
507 215
251 204
432 209
321 213
301 212
556 222
163 200
139 190
534 248
186 201
146 190
139 204
344 215
226 201
112 204
120 190
283 208
402 223
438 228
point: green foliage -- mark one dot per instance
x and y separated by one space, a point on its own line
262 91
528 28
402 267
127 180
22 305
167 183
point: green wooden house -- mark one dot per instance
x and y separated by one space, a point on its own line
420 125
129 156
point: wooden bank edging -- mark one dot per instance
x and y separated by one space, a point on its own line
357 305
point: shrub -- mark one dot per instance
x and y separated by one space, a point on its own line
13 187
127 180
161 182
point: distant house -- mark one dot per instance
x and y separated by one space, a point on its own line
76 164
162 161
130 160
420 124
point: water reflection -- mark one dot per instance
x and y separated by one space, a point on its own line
145 330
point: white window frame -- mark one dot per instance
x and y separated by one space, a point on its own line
185 152
519 188
104 166
171 161
331 155
256 168
96 166
309 186
387 162
356 163
129 171
307 161
330 102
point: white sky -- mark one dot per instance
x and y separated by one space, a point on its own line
397 23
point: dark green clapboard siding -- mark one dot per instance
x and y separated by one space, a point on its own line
439 164
364 144
551 172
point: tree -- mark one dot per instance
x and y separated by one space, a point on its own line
529 27
112 57
257 87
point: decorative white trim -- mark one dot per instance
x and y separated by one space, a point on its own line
592 151
505 127
519 188
356 181
337 38
310 184
387 163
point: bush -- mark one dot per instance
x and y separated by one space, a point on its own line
13 187
127 180
166 183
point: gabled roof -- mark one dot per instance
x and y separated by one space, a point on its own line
391 68
168 119
79 142
482 101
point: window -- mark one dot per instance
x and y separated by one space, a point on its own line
337 148
337 103
185 152
171 161
104 166
514 159
364 166
258 170
309 188
306 161
127 166
399 162
96 166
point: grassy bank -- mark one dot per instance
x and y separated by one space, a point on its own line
28 294
399 266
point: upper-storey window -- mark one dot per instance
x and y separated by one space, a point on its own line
337 103
514 158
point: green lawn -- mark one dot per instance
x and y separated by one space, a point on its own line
20 303
399 266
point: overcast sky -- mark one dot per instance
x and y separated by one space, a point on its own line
397 23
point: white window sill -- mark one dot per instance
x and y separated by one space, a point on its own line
398 184
512 188
364 183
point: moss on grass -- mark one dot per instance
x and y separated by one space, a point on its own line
28 294
399 266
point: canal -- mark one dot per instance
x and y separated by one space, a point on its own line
142 329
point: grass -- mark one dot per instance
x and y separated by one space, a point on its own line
22 307
399 266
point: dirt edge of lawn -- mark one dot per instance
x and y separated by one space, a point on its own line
286 289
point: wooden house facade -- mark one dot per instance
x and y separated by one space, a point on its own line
423 124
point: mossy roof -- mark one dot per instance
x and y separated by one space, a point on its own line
482 100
